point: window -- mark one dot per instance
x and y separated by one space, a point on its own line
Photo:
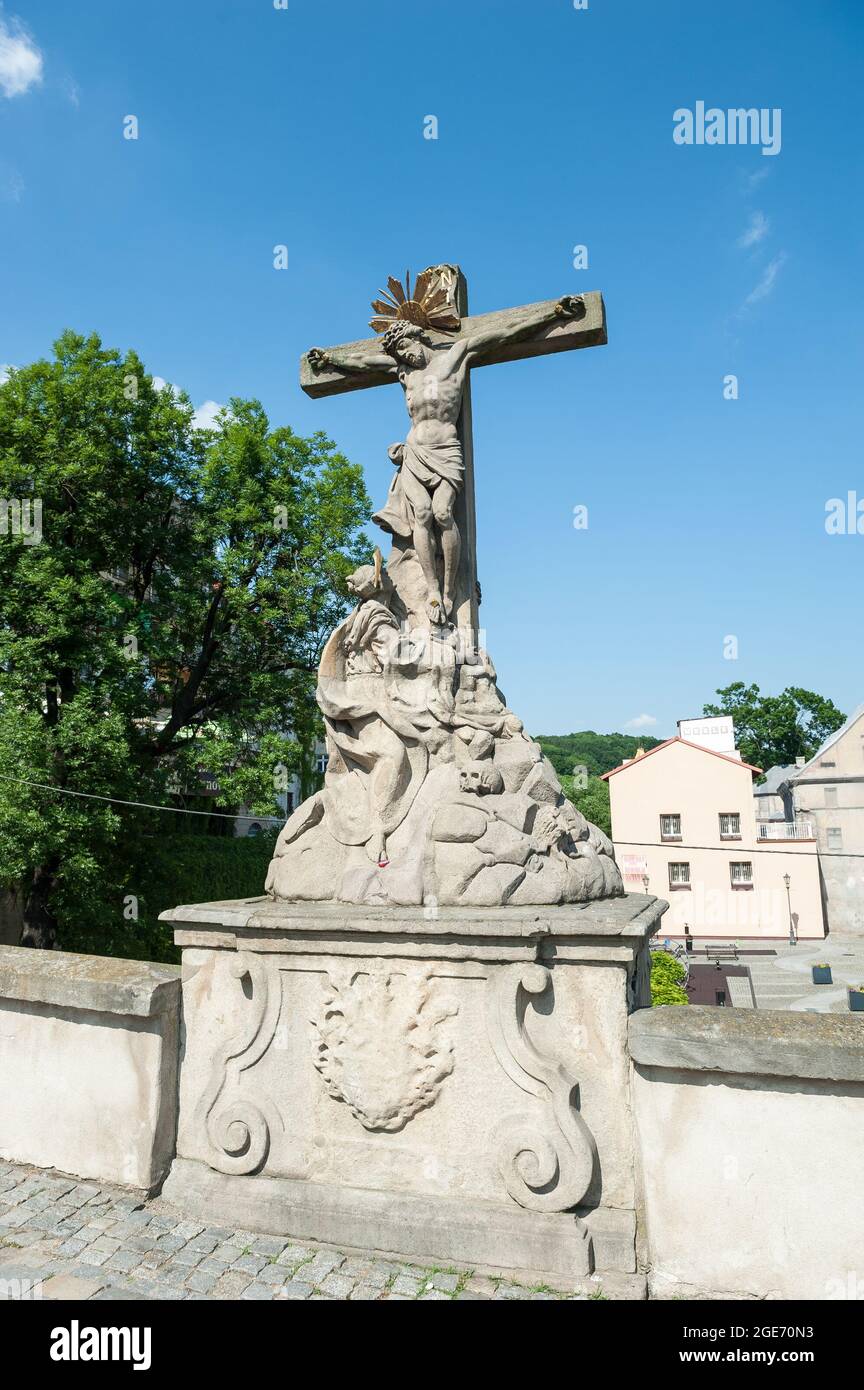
321 763
730 825
741 874
670 827
679 876
835 838
830 796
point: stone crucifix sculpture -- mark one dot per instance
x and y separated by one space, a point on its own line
429 344
433 792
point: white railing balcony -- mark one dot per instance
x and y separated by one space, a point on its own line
786 830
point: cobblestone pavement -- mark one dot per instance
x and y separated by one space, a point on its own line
65 1239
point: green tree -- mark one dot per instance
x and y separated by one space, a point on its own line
776 729
667 974
595 753
167 623
592 800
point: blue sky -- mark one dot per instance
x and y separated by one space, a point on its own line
304 126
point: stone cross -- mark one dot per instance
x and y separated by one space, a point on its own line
506 335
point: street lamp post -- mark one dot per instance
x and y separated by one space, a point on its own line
793 935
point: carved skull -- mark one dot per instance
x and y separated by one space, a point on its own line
480 778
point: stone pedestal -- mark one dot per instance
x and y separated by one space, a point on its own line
450 1084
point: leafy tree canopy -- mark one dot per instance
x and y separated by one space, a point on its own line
570 754
667 975
776 729
592 800
167 622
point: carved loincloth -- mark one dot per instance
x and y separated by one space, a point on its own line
430 465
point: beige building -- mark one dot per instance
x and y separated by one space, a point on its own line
828 792
685 828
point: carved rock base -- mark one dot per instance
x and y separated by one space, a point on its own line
452 1087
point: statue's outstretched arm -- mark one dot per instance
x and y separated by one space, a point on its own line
320 359
523 322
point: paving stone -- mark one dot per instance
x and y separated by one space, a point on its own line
170 1244
364 1292
269 1245
188 1230
404 1285
21 1283
72 1246
448 1282
258 1291
96 1257
245 1239
273 1274
71 1286
106 1243
434 1294
202 1245
367 1271
486 1287
295 1255
321 1265
227 1252
116 1295
123 1261
16 1217
71 1225
200 1283
141 1243
295 1289
250 1264
187 1256
231 1285
337 1285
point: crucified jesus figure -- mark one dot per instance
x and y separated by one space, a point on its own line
432 369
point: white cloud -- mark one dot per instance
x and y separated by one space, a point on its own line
766 284
20 59
205 415
11 183
756 231
759 176
642 721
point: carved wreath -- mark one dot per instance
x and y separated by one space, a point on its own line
383 1045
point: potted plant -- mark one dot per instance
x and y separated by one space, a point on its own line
822 974
856 998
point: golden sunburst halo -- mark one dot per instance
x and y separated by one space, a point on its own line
429 305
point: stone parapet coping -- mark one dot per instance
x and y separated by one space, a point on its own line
131 988
633 915
749 1042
